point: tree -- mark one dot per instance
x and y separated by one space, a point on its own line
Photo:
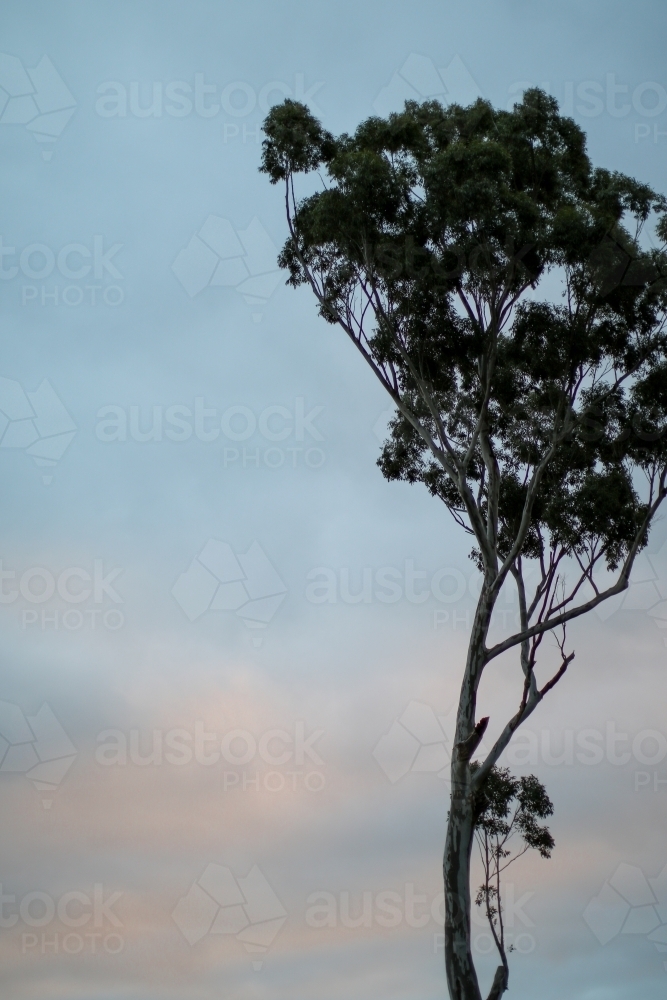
503 806
539 422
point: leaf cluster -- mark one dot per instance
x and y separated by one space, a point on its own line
506 804
428 243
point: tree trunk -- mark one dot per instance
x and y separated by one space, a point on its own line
459 965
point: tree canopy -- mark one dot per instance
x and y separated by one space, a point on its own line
539 420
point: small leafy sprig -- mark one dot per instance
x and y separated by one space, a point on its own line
507 807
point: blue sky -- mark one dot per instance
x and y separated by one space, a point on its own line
247 642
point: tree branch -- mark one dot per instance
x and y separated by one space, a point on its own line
621 584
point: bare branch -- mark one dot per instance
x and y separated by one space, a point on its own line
526 708
617 588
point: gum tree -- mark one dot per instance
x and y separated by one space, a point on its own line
505 806
537 417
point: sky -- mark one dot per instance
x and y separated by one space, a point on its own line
230 649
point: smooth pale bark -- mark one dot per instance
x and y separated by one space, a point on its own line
459 964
